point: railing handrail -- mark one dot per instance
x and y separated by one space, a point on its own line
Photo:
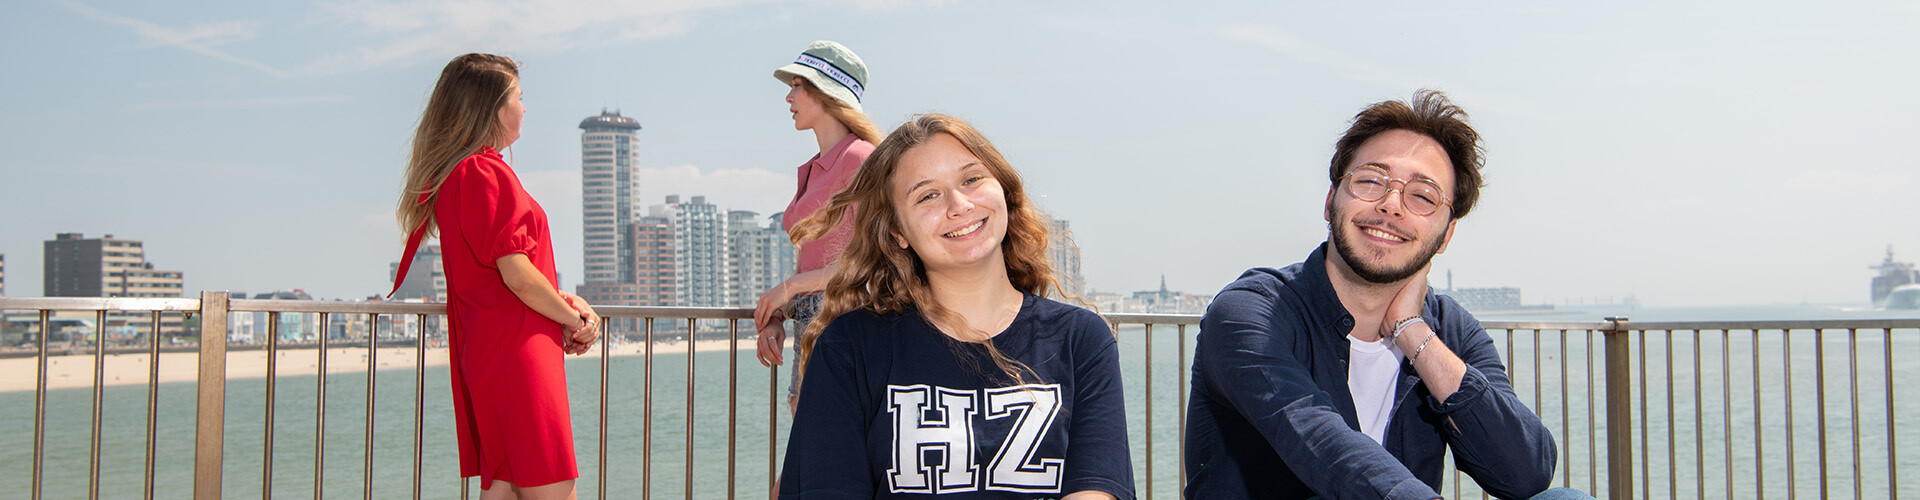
355 307
1709 325
214 308
100 303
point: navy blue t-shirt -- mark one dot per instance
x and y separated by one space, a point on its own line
892 407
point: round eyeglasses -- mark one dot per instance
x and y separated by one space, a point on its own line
1419 196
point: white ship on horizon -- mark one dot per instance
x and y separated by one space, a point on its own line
1897 286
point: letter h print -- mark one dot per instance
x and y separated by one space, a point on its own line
933 450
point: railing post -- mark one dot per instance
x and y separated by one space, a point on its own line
1619 411
210 412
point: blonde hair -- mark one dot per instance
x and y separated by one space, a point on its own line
462 115
877 275
853 119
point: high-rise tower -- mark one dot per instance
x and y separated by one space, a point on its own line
699 250
609 153
1065 256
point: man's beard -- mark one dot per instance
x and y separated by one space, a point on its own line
1382 275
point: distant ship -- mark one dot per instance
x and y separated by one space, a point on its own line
1897 286
1487 300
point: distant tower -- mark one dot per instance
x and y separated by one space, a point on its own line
749 258
1064 254
653 270
699 250
609 154
780 250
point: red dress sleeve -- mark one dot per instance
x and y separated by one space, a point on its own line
498 213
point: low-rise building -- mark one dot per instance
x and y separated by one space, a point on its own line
76 266
426 277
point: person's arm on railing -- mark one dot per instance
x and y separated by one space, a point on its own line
1245 354
572 313
767 313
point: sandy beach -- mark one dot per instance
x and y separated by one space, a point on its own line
74 371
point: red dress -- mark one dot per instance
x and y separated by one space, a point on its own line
509 381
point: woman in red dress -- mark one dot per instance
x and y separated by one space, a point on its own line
509 323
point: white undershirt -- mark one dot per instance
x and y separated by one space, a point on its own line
1373 371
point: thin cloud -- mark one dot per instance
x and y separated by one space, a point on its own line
891 5
1349 66
753 189
266 102
409 31
420 29
202 39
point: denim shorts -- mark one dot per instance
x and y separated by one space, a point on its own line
801 310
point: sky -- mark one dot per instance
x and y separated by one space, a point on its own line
1706 154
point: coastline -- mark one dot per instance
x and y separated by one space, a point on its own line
76 370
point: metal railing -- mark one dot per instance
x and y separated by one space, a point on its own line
1602 389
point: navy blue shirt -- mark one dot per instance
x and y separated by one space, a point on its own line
894 408
1272 417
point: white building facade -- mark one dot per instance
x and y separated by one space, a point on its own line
699 250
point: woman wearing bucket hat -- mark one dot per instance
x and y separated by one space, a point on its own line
826 85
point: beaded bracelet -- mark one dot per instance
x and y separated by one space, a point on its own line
1415 358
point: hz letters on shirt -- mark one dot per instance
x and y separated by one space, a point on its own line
934 439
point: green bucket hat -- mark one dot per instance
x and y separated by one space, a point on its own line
833 68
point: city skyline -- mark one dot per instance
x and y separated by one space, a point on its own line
1682 154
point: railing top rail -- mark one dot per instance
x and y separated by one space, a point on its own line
674 312
1153 319
1819 324
305 306
99 304
1547 325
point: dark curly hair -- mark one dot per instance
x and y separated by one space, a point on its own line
1431 114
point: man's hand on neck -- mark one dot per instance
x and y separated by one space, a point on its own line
1373 305
1408 302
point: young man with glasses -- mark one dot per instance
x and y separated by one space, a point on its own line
1343 376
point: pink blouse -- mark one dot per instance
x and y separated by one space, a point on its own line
820 178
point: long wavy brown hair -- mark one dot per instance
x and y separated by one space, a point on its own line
463 114
880 276
856 122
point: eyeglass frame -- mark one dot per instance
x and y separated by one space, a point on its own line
1445 201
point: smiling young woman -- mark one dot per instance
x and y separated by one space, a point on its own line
934 348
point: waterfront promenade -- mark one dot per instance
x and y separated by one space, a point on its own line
1640 410
126 366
